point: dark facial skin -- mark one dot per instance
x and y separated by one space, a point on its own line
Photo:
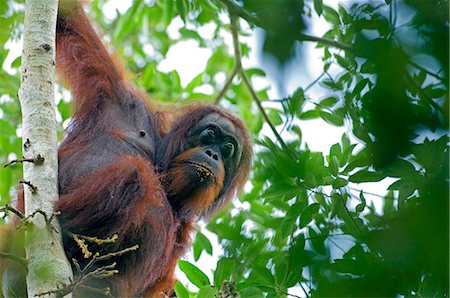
220 141
207 165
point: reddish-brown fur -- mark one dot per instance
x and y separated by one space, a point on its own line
116 154
122 163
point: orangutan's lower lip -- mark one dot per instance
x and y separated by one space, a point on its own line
203 170
202 167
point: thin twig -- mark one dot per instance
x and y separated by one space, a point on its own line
227 84
304 291
13 210
263 112
426 70
118 253
104 291
14 161
102 272
99 241
76 264
335 244
237 53
325 41
367 193
33 188
39 211
314 82
85 273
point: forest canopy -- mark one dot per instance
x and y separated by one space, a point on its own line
305 224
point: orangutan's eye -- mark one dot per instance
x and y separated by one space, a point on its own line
228 149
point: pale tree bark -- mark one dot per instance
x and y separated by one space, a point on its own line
48 268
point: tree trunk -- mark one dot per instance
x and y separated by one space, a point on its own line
48 268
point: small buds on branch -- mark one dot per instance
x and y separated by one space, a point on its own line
33 188
84 274
8 208
38 160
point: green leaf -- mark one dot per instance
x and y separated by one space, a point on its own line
331 15
180 290
274 117
308 115
336 151
367 67
308 213
334 166
186 33
405 187
197 81
342 61
224 269
366 176
17 62
317 241
195 275
329 102
181 9
264 273
251 292
255 72
361 197
168 12
201 243
332 118
401 168
360 207
438 93
288 225
339 182
207 292
280 189
360 86
197 250
318 6
281 268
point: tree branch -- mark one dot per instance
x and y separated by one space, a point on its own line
235 9
43 246
7 208
241 71
426 70
86 274
38 160
227 84
423 94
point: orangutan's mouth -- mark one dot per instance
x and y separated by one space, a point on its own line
203 169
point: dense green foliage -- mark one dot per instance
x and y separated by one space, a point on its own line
305 224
